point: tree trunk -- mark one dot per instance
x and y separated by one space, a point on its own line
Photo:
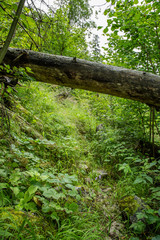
12 30
76 73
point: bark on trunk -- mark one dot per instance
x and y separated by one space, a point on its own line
76 73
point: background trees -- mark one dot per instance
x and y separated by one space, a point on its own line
133 32
58 29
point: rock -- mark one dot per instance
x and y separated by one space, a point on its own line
130 206
108 238
101 175
114 209
88 180
141 207
84 167
116 229
107 190
99 127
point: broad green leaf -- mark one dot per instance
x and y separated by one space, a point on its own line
29 193
4 185
106 30
139 180
155 189
54 180
28 70
150 165
141 215
109 21
46 208
156 194
32 189
54 216
31 21
100 27
3 173
55 206
14 6
73 207
52 193
156 237
72 193
70 186
139 227
30 206
152 219
14 179
66 179
149 179
27 197
44 177
23 17
15 190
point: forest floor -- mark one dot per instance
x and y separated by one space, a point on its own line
60 166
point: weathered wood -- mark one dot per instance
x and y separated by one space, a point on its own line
76 73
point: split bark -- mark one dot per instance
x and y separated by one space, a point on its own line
76 73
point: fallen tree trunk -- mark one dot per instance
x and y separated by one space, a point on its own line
76 73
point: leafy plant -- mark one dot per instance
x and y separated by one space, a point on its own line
148 221
54 194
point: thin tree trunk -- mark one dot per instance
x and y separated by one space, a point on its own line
11 31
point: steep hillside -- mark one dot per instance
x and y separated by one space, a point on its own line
68 158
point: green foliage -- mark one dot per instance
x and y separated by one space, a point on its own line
60 30
80 227
36 173
14 74
19 224
96 52
12 29
134 37
55 195
4 19
149 219
79 12
45 193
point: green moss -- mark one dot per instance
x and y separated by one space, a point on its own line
129 205
21 223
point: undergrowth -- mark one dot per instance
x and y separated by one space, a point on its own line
58 141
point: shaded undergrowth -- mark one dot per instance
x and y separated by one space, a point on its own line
52 157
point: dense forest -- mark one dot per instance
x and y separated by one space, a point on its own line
77 164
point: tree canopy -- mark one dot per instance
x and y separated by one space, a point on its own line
133 32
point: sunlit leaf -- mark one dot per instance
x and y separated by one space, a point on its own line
32 189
